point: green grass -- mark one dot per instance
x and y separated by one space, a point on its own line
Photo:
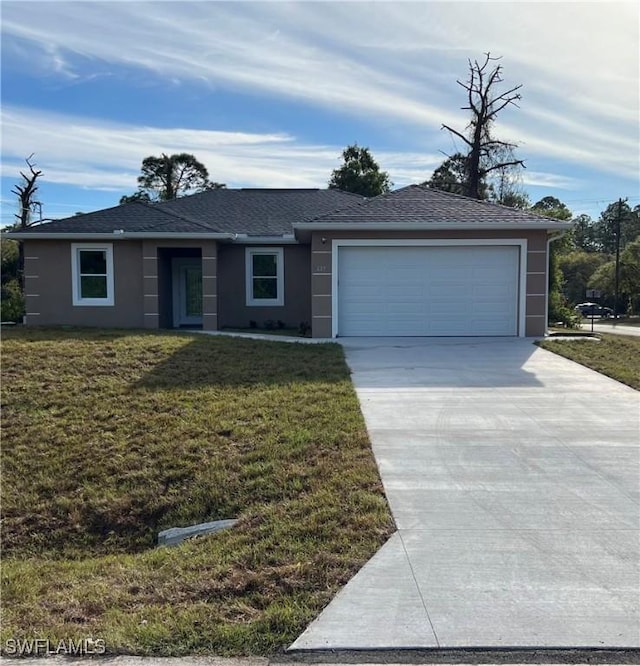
109 437
617 356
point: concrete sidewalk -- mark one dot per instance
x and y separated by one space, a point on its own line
512 474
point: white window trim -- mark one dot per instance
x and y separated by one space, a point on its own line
76 248
264 302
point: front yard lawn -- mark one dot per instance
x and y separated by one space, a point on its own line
109 437
617 356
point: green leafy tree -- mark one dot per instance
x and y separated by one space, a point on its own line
511 197
504 188
605 228
505 182
604 278
485 154
451 175
552 207
169 177
11 299
360 173
140 195
559 310
577 268
584 234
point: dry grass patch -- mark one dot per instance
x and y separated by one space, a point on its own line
109 437
617 356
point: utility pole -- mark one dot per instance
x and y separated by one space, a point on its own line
617 276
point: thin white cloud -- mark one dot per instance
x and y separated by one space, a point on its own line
389 62
104 155
396 61
549 180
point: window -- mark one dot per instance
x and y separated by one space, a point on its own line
265 276
92 274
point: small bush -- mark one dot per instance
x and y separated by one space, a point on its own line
561 312
11 302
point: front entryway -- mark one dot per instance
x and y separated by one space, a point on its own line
186 273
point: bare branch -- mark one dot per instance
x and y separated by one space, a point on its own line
502 165
461 136
491 143
507 93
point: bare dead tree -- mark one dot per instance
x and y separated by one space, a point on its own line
26 193
485 102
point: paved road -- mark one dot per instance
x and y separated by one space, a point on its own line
616 329
513 477
340 659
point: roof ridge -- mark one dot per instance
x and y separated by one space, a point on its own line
170 213
336 210
275 189
485 202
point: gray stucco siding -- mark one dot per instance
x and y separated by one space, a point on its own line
48 287
233 311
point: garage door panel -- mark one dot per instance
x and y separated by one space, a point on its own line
428 290
393 327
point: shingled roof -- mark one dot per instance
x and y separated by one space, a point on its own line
279 212
261 212
136 217
423 206
254 212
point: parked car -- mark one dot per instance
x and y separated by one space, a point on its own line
593 310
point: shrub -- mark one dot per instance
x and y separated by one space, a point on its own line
561 312
11 301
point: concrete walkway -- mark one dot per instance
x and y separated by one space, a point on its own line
513 477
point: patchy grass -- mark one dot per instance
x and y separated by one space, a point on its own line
616 356
109 437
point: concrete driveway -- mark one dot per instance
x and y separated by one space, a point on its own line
513 477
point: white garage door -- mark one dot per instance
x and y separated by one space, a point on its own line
428 291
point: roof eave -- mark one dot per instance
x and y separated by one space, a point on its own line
117 235
427 226
282 239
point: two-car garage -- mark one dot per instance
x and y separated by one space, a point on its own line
428 290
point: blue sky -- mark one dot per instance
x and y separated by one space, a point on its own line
268 94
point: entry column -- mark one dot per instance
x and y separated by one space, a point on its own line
150 284
209 286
